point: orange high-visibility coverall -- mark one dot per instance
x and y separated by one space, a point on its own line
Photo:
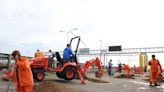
22 75
155 68
39 54
126 69
135 69
141 69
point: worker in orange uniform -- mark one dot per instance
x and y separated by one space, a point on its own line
155 68
141 69
135 69
39 54
126 69
22 74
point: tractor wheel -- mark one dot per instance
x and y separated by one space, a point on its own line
38 74
69 73
59 75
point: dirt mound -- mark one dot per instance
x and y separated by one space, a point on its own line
48 86
118 75
95 80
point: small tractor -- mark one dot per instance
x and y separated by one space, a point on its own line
68 70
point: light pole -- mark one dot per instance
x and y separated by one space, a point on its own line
73 35
100 45
67 32
81 40
100 48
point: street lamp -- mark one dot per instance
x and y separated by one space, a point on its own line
73 35
67 32
81 40
100 46
101 52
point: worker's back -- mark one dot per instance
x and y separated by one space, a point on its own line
39 54
67 54
126 67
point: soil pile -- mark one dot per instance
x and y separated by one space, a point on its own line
118 75
97 80
48 86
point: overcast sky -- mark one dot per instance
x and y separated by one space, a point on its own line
28 25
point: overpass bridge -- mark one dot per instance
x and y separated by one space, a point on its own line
5 59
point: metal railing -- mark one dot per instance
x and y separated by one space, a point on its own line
126 51
5 60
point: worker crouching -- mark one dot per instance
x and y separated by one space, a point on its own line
22 74
126 68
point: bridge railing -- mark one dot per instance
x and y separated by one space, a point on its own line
5 61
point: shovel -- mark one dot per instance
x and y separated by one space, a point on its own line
10 81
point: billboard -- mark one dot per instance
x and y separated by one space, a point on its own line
114 48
